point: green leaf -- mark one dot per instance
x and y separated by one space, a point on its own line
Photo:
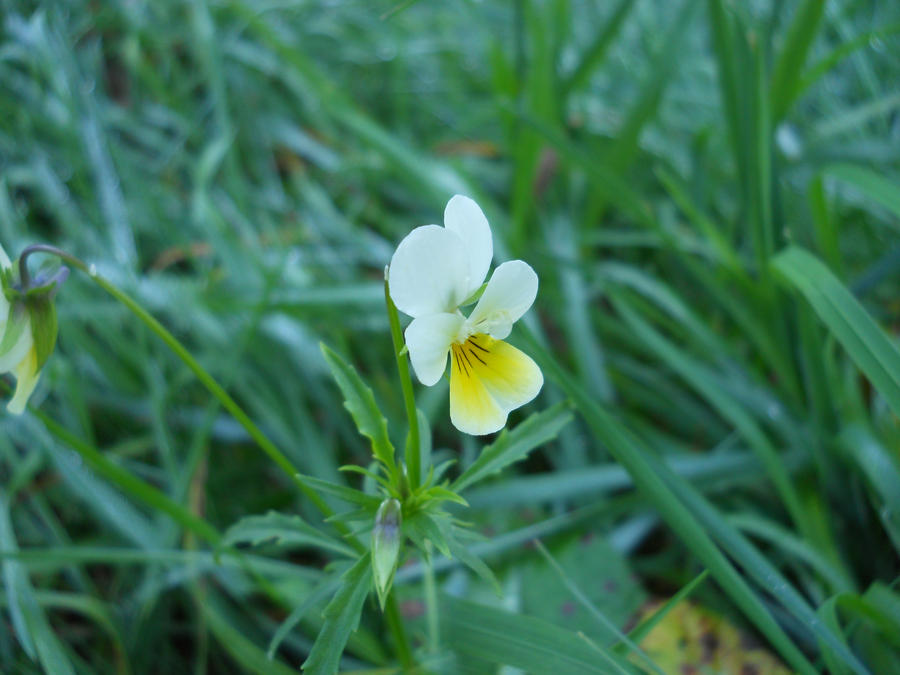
873 185
422 527
537 646
596 53
345 493
513 446
29 621
792 58
235 642
644 627
655 481
341 618
360 401
881 469
845 317
282 530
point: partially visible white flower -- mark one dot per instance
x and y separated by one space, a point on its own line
432 274
17 350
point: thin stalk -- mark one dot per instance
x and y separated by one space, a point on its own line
431 602
413 446
398 632
205 378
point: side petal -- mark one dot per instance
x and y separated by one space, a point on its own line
428 339
27 376
19 349
472 409
428 272
510 292
464 217
4 259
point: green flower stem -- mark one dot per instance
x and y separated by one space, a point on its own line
205 378
398 632
413 447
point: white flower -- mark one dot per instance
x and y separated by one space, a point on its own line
432 273
17 352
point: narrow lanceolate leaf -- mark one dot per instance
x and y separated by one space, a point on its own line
537 646
881 468
874 186
32 629
282 530
235 642
360 401
845 317
651 478
792 59
512 446
341 618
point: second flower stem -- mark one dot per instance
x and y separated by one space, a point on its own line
205 378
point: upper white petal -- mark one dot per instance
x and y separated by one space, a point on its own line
429 272
4 259
464 217
510 292
428 339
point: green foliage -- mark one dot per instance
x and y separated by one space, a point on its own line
513 446
281 530
341 617
707 191
864 341
496 636
360 401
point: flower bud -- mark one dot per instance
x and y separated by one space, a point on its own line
386 546
28 328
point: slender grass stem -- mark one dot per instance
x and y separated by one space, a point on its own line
413 446
398 632
202 374
431 602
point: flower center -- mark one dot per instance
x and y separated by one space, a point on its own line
470 353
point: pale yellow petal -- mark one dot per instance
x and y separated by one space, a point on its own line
472 409
488 379
27 376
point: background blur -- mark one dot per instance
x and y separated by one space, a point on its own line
245 170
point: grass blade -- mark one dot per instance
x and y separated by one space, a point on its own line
785 86
865 342
524 642
513 446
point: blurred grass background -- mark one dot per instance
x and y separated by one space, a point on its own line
245 171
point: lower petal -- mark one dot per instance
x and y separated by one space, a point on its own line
472 409
27 376
488 379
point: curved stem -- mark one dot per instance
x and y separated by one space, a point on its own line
413 447
187 358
